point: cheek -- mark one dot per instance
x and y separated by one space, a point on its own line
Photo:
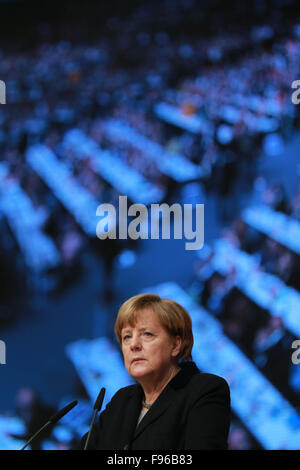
165 353
158 354
125 355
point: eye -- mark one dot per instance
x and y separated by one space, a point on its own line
147 333
126 337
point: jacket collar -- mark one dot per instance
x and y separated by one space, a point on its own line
188 369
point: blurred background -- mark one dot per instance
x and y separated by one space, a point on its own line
163 101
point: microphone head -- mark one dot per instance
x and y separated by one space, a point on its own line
99 400
57 416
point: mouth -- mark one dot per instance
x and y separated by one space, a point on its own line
137 360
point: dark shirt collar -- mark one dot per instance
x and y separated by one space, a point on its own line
188 369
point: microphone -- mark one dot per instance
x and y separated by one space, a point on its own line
97 408
56 417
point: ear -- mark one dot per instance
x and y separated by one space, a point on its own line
176 346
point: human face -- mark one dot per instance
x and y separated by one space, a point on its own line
148 349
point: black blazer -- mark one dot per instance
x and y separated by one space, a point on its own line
192 412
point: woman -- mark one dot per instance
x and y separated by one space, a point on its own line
173 406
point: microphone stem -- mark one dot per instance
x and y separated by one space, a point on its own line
38 432
90 430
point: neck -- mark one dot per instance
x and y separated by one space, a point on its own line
153 388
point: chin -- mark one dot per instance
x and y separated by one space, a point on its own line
138 371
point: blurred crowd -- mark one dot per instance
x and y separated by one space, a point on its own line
264 338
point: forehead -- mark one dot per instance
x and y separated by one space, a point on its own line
144 318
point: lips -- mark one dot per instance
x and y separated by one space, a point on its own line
137 359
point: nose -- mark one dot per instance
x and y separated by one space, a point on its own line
135 343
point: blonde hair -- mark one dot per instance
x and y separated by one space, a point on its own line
172 316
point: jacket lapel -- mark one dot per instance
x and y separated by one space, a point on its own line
159 406
133 409
162 403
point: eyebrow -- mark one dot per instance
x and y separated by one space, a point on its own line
125 330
